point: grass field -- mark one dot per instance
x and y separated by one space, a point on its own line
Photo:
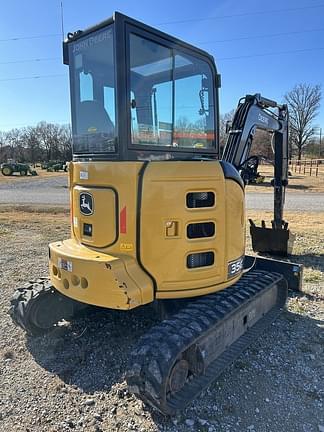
308 246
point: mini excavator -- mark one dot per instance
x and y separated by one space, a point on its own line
158 215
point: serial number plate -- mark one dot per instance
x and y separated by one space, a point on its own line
235 267
65 264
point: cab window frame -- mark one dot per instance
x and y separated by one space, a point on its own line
175 48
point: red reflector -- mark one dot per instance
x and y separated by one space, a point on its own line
122 221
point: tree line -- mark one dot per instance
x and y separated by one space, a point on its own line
49 141
43 142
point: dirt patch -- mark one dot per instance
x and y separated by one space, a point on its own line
297 182
73 379
309 243
39 212
40 174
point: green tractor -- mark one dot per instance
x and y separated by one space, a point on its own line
11 168
54 166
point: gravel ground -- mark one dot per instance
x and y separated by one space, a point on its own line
35 190
73 379
294 201
53 190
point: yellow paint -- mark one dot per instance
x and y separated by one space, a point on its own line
109 281
148 261
126 246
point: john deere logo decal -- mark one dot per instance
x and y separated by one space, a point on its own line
86 204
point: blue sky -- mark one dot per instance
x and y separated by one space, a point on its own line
246 39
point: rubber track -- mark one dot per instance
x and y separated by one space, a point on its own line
21 301
156 352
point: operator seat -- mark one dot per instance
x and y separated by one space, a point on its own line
93 118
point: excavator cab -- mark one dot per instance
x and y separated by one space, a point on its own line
139 94
156 216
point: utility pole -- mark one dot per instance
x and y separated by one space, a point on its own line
320 139
62 20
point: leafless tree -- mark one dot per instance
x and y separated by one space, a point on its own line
49 138
14 141
2 145
32 144
43 142
261 145
224 118
66 142
303 103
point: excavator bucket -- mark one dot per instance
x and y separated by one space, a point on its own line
274 241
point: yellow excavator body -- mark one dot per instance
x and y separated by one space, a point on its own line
144 239
158 213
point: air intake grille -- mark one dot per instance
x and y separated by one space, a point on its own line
200 199
200 230
200 259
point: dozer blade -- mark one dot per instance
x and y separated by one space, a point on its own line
180 357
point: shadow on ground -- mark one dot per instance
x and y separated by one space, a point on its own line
289 187
92 351
315 261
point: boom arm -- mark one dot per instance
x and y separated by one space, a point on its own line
253 113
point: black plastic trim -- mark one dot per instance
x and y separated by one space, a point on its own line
138 222
230 172
117 16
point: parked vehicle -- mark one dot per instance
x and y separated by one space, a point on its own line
11 168
54 165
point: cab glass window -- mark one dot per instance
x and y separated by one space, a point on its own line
92 74
194 109
171 97
151 92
